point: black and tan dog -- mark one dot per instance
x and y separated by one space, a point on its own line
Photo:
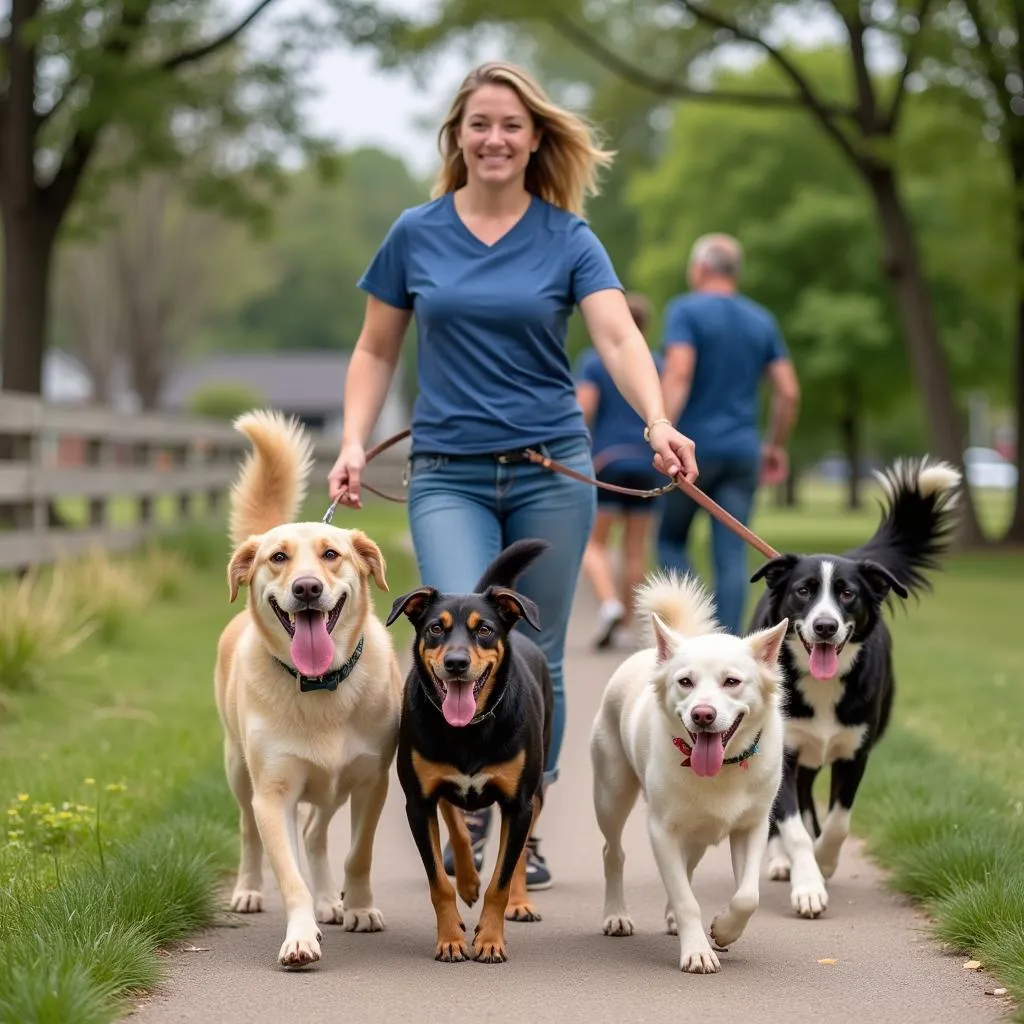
475 730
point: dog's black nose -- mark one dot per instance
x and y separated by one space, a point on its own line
307 588
703 715
826 628
456 662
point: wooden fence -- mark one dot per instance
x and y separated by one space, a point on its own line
74 477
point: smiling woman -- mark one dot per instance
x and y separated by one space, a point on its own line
492 268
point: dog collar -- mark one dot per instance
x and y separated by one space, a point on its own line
329 680
680 744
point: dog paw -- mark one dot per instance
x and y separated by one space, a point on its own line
699 960
670 923
452 952
247 901
368 919
618 925
725 929
522 912
468 889
809 900
827 857
329 909
489 951
778 870
300 950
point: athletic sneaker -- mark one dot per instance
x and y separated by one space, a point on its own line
609 617
478 823
537 874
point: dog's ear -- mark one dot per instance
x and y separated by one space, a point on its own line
766 644
240 566
512 606
665 639
413 604
775 571
880 580
371 554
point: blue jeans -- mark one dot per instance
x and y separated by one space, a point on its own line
464 511
732 482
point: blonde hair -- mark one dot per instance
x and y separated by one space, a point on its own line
563 171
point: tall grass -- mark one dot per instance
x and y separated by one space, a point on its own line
39 625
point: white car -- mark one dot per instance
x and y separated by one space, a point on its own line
987 468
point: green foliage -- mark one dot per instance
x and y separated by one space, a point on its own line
813 254
323 240
222 401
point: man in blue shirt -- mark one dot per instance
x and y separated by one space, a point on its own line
718 346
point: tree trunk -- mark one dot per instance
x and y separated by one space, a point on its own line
904 268
849 428
1015 533
28 243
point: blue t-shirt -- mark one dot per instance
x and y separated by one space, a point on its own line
616 423
735 340
491 323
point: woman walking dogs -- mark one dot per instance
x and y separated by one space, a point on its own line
491 268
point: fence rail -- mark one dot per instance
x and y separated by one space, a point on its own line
118 468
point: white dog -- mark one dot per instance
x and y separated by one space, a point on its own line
695 722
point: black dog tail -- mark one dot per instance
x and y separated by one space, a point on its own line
510 563
918 519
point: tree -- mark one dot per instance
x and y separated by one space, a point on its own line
862 123
323 240
983 66
159 74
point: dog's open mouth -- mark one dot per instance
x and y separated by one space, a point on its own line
312 648
458 697
709 748
823 658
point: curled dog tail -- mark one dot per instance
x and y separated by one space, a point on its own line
271 485
681 603
918 519
510 563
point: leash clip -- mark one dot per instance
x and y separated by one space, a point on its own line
329 514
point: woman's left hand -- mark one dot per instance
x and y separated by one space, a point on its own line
673 452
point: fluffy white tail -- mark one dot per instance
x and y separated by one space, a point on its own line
681 603
271 485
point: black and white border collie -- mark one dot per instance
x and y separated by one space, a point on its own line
837 665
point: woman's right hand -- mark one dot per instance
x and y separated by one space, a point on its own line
345 475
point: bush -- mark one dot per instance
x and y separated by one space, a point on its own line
225 401
37 629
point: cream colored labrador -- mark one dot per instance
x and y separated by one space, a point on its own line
308 689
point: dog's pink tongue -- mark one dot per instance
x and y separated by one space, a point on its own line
459 705
824 661
312 647
708 753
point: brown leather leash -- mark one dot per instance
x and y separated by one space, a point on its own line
690 490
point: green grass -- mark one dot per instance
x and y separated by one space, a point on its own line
112 782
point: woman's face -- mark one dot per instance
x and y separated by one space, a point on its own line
496 136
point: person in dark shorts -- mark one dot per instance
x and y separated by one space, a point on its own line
621 461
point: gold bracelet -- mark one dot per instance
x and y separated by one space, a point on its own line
647 429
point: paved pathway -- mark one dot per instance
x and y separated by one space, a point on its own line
562 969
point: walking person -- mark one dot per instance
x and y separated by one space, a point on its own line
491 268
621 459
719 345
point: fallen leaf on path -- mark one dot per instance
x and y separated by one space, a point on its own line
972 965
828 961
